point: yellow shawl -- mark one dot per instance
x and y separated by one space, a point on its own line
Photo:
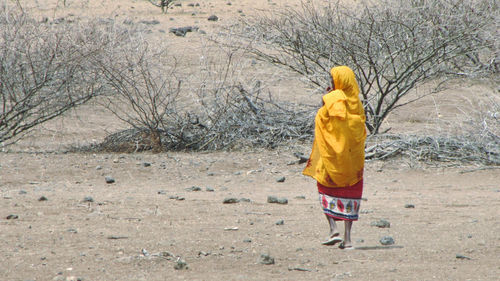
338 153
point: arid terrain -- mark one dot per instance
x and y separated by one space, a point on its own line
61 220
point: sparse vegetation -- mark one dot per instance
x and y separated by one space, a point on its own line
392 45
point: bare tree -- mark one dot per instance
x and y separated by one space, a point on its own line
144 85
392 45
163 4
44 70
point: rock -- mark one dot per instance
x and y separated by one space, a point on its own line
281 179
381 223
210 174
109 180
202 253
144 252
191 5
162 192
88 199
248 240
193 188
300 197
409 206
22 192
42 198
266 259
245 200
12 217
387 240
282 201
462 257
146 164
274 199
280 222
178 4
213 18
98 168
180 264
181 31
230 200
209 189
72 230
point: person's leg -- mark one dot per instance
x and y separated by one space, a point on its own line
347 234
333 227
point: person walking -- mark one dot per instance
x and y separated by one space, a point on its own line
338 154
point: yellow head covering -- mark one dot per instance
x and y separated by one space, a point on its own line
338 154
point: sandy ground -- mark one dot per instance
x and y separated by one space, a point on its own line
138 227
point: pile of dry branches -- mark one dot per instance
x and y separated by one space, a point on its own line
452 149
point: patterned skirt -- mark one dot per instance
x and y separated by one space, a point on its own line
341 203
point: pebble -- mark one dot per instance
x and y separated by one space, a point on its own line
162 192
181 264
266 259
146 164
387 240
245 200
274 199
193 188
462 257
209 189
22 192
213 18
248 240
300 197
109 180
42 198
12 217
88 199
98 168
409 206
282 179
280 222
381 223
230 200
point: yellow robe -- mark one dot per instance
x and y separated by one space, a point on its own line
338 153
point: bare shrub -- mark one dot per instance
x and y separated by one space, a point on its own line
44 70
392 45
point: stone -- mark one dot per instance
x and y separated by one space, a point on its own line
282 201
230 200
381 223
281 179
181 31
88 199
42 198
272 199
462 257
12 217
22 192
409 206
213 18
109 180
300 197
98 168
146 164
193 188
209 189
248 240
162 192
280 222
387 240
266 259
181 264
245 200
